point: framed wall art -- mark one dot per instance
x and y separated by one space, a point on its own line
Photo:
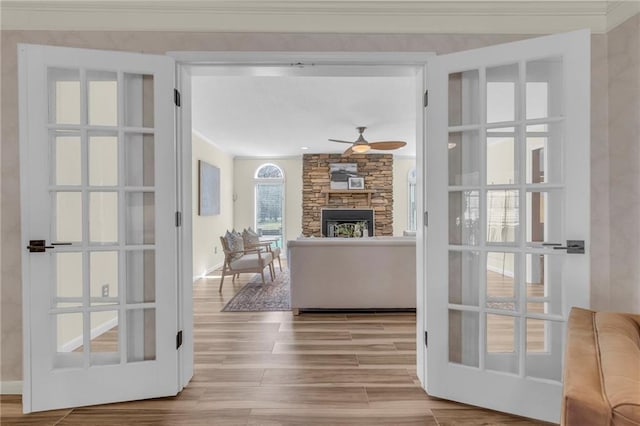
356 183
209 189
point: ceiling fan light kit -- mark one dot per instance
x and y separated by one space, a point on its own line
361 145
360 149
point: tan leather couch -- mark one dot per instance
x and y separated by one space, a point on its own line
602 369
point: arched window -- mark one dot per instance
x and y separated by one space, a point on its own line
269 202
411 206
269 171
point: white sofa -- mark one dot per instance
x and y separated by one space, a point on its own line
352 273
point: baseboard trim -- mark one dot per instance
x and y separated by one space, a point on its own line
11 387
208 271
76 342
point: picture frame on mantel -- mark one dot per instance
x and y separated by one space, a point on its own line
340 173
356 183
209 189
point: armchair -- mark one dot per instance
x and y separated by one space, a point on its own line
245 260
252 240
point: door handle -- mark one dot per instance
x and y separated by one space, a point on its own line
39 246
572 246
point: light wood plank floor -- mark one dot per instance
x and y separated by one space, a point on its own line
272 368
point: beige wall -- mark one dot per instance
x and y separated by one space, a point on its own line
600 185
159 42
624 143
244 206
207 252
401 167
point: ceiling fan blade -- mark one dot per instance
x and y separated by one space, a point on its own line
387 145
337 140
348 152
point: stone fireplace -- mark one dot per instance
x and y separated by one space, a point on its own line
330 218
376 196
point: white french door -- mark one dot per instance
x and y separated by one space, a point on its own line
507 188
98 202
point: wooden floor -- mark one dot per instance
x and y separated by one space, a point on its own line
273 368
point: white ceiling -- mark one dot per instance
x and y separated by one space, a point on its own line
275 116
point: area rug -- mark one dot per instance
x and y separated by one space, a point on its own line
258 297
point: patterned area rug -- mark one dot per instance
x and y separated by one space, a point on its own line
258 297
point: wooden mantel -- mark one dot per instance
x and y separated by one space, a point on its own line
327 193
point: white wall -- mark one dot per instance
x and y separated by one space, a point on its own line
244 211
207 252
401 167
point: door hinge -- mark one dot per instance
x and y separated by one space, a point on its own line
176 97
178 219
426 339
426 98
426 219
178 339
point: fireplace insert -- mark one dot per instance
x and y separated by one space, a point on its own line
335 221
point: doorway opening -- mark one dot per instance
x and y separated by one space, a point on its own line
257 115
299 135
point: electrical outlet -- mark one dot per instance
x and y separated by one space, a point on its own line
215 249
105 290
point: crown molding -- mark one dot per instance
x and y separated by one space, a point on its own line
619 11
217 146
225 150
311 16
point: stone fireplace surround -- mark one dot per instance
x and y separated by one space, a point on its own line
377 171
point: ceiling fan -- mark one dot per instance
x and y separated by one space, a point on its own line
361 145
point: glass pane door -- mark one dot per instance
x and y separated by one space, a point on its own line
505 198
102 197
506 177
102 305
270 211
